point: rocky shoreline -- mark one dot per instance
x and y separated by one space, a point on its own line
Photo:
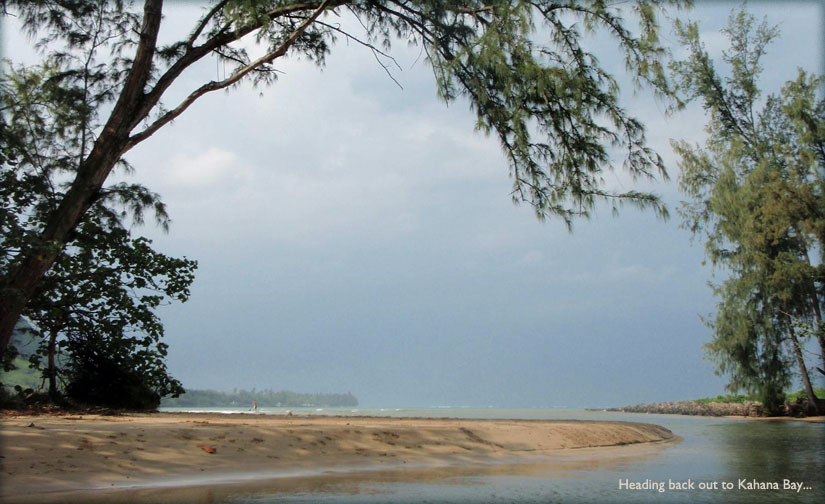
798 409
695 408
748 408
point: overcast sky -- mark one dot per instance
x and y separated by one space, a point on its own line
354 236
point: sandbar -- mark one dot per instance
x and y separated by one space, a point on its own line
48 454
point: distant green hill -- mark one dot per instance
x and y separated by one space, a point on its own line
265 398
24 376
25 340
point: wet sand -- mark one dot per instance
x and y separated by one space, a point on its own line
44 457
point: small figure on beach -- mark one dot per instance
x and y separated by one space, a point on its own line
254 405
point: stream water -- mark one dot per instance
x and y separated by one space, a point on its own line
718 460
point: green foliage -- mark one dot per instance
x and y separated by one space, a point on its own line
102 294
795 396
741 398
104 285
522 66
9 360
728 398
534 86
265 398
756 194
18 398
100 375
21 374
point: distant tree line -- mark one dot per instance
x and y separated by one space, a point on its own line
266 398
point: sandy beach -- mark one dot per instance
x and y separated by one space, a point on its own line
810 419
47 455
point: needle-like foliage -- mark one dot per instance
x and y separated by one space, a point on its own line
756 194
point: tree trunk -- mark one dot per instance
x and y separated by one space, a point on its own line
133 106
819 328
52 369
23 281
803 370
18 288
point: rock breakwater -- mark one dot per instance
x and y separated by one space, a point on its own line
747 408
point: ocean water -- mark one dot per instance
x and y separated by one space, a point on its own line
719 460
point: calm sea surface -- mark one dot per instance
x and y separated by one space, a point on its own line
715 451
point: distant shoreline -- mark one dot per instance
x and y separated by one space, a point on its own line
204 398
92 454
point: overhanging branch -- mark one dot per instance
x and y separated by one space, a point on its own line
222 38
232 79
375 51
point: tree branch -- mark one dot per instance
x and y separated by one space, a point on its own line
234 78
222 38
375 51
204 21
140 71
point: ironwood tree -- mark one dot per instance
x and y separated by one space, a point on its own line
756 194
522 65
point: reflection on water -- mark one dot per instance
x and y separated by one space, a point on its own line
713 450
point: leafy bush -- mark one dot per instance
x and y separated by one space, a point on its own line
21 398
794 396
101 375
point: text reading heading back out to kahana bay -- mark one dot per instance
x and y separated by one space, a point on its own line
745 484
